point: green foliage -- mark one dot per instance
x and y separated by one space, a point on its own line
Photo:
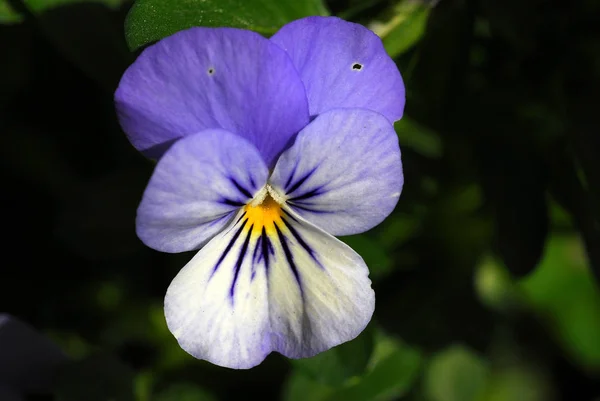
7 14
373 252
336 366
418 137
516 383
300 387
38 6
563 291
391 377
392 370
404 29
151 20
456 374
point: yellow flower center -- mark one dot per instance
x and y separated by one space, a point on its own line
266 214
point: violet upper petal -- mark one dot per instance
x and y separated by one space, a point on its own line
343 173
343 65
204 78
196 188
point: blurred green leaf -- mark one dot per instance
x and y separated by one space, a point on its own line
336 366
570 186
559 217
184 392
405 28
461 201
8 15
495 286
397 229
395 368
391 372
142 385
418 137
299 387
96 378
456 374
37 6
151 20
516 383
563 290
109 295
372 251
143 322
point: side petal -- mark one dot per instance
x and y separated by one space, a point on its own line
343 65
204 78
278 284
343 172
196 188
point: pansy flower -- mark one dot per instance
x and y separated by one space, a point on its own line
267 149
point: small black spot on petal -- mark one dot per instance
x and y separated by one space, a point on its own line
357 66
211 71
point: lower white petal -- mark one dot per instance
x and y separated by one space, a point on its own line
270 282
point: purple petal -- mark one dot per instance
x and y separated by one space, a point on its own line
344 171
343 65
196 188
205 78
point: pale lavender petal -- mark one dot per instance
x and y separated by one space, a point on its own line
343 172
204 78
343 65
196 188
280 285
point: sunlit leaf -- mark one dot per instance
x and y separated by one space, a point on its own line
563 290
404 29
151 20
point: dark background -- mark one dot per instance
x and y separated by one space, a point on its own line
488 269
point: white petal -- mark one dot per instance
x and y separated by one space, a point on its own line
270 282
